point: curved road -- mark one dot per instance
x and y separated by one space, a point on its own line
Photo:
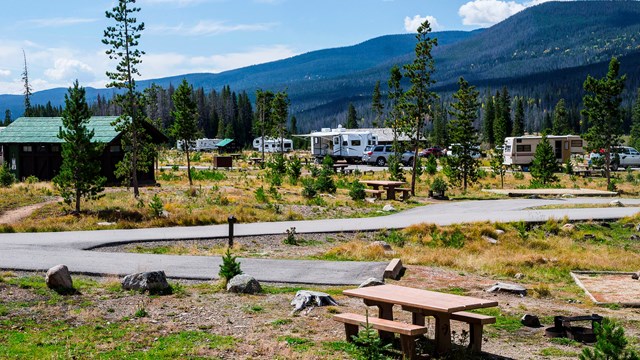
40 251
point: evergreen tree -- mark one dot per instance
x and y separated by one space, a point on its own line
561 122
352 117
263 123
293 125
376 105
518 118
79 174
419 98
280 115
544 163
461 167
487 122
547 122
634 140
396 119
27 88
500 122
602 110
185 124
440 136
123 38
7 118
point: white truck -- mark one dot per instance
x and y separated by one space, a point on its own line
621 157
341 143
272 145
520 150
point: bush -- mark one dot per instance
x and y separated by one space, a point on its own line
611 344
31 179
369 344
156 205
309 190
356 190
439 185
431 166
294 169
6 177
229 267
291 237
518 175
568 167
260 195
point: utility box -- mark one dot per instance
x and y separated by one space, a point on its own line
222 162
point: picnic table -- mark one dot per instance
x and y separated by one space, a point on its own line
256 160
390 186
423 303
339 166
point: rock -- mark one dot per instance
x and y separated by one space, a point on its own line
489 239
519 276
305 298
105 223
568 196
533 197
499 232
605 224
382 244
616 203
530 321
636 275
568 227
371 282
634 237
152 281
510 288
388 208
588 237
59 278
638 227
371 200
244 284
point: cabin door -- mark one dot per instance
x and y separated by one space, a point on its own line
558 149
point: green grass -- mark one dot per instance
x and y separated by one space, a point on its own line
504 322
280 322
297 344
555 352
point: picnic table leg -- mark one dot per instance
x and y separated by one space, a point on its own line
443 333
417 318
391 193
385 311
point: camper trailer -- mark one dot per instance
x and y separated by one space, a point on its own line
520 150
341 143
272 145
199 145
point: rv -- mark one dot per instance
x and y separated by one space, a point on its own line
520 150
272 145
341 143
199 145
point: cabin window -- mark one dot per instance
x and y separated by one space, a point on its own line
27 148
55 148
355 142
114 148
576 143
523 148
42 148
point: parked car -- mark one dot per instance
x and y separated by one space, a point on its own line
379 156
435 151
621 156
475 152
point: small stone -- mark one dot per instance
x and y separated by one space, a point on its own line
636 275
634 237
152 281
510 288
244 284
489 239
499 232
59 278
568 196
371 282
588 237
638 227
383 244
529 320
105 223
388 208
568 227
519 276
616 203
305 298
371 200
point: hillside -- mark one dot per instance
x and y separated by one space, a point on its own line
548 48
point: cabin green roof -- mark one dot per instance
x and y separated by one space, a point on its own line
224 142
26 130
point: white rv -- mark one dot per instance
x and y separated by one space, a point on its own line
272 145
520 150
341 143
199 145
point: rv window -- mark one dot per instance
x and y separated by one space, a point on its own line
355 142
336 140
507 149
287 146
566 145
576 143
518 140
523 148
345 143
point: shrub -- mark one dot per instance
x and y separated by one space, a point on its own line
291 237
431 167
294 169
518 175
324 182
156 205
369 344
356 190
278 164
31 179
395 168
439 185
261 196
568 167
309 190
611 344
230 267
6 177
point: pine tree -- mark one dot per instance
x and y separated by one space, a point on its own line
544 163
440 136
487 122
263 123
376 105
27 88
7 118
547 122
561 122
419 98
461 167
635 127
280 115
79 174
352 117
185 124
602 110
123 38
518 118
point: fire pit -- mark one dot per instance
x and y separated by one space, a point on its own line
562 327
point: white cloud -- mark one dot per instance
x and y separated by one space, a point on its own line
5 73
489 12
69 68
412 24
58 22
203 28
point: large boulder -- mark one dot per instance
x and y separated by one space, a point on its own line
59 278
243 284
305 298
151 281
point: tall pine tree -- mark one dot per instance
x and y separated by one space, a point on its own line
352 117
376 105
518 118
561 121
185 120
79 175
487 121
280 116
544 163
27 88
634 140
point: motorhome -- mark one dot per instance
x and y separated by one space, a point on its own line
273 145
520 150
199 145
341 143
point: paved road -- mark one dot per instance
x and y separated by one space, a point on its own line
40 251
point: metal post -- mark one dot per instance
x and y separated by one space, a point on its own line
232 220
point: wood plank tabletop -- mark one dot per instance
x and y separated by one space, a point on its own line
418 298
383 182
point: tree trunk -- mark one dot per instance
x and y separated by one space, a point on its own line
77 200
188 164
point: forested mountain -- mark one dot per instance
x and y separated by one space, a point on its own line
543 53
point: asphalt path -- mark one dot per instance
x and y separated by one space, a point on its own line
40 251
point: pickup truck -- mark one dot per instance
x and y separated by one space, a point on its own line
621 156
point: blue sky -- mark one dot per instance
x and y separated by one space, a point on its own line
62 39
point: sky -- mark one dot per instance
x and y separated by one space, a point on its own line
62 39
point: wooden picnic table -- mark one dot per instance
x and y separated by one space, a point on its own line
388 185
420 303
256 160
339 166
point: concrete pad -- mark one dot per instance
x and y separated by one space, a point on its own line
550 192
